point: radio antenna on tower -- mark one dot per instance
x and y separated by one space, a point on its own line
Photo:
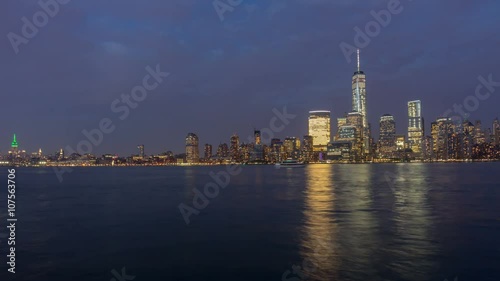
358 60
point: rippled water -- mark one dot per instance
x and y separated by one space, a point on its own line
322 222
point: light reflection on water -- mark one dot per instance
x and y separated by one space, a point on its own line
337 222
319 248
413 223
348 234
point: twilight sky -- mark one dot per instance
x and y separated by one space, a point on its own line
226 76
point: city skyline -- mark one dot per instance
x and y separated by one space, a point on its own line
227 75
251 139
327 131
445 133
352 125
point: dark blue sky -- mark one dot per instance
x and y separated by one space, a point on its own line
227 75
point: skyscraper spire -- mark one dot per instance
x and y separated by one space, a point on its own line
358 60
14 142
359 103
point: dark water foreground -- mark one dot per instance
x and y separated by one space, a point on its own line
322 222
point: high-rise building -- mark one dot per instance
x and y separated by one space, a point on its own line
468 128
257 149
479 137
468 138
14 145
245 151
234 149
307 148
277 152
415 126
387 136
275 141
292 147
400 142
267 153
354 132
257 137
442 131
341 121
427 148
319 129
348 133
496 132
141 150
223 150
257 153
339 151
292 143
208 151
488 135
60 155
192 148
359 104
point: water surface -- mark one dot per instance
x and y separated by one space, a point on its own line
323 222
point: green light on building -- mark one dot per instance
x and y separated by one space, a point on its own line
14 142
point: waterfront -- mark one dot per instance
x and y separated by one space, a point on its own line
344 222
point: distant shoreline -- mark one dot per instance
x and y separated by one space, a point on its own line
251 164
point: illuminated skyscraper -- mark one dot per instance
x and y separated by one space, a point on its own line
468 138
428 153
14 145
208 151
348 133
479 137
277 150
400 142
60 154
245 151
442 131
234 148
319 129
387 136
192 149
359 104
496 131
341 121
292 147
141 150
257 152
354 121
415 126
256 135
223 150
307 148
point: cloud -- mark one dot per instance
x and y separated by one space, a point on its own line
265 54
